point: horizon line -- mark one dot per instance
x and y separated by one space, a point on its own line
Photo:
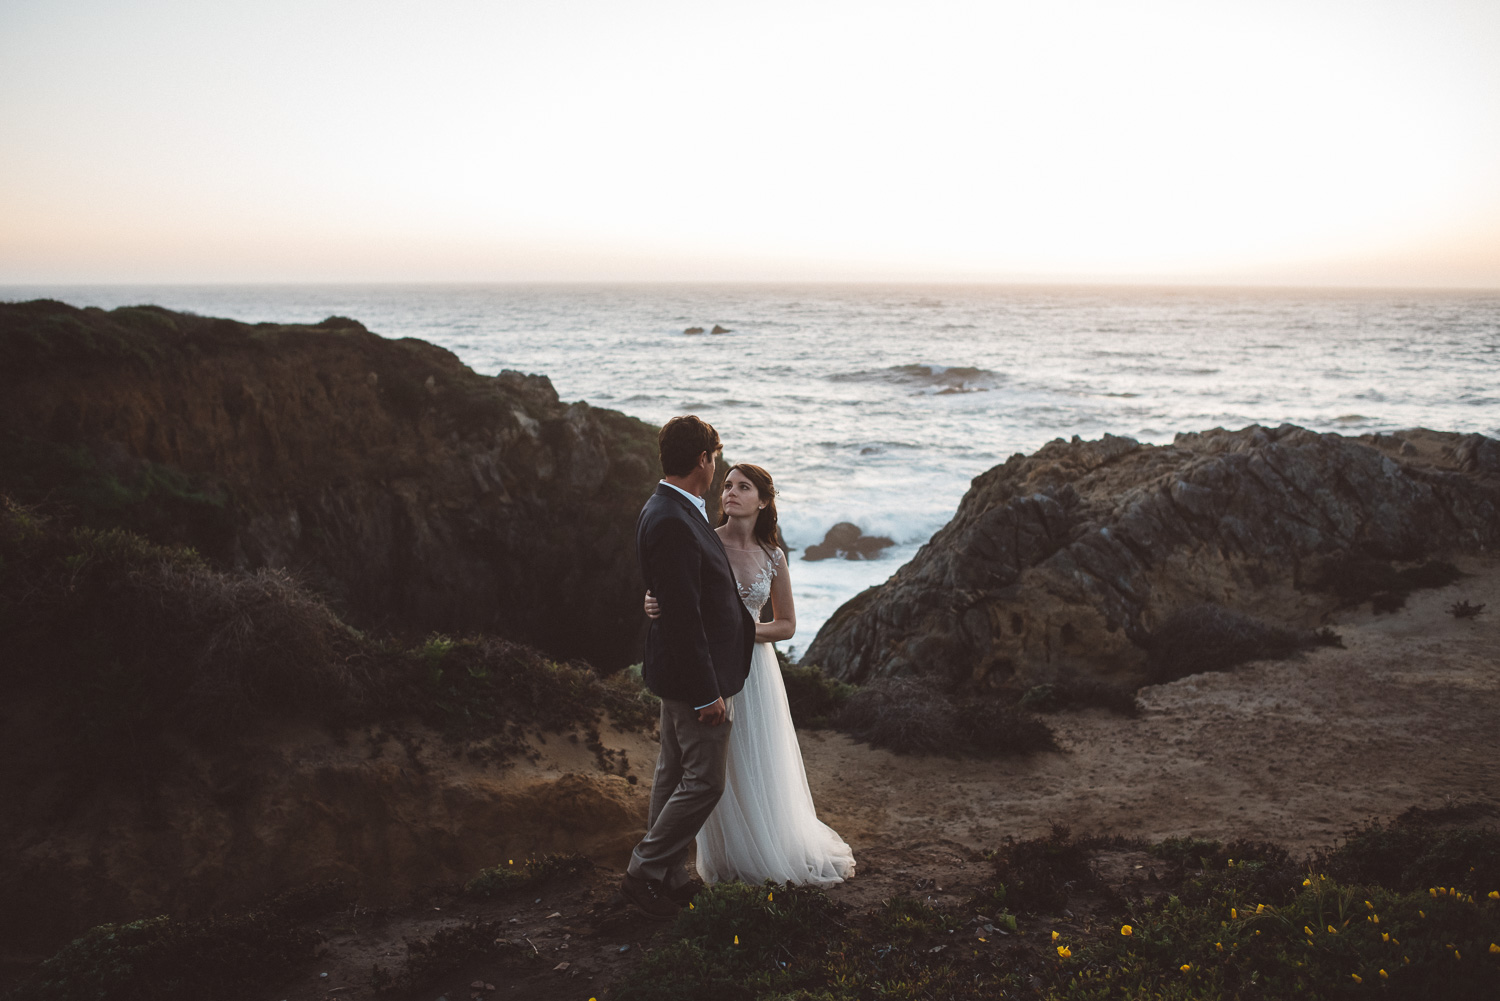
1158 284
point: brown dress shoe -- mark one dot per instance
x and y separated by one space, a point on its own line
649 895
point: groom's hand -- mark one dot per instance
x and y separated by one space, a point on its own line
712 715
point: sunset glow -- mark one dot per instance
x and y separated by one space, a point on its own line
1324 142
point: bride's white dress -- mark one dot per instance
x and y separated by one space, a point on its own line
765 826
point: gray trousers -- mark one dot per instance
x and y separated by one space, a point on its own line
689 781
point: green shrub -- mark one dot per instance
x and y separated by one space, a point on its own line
1416 855
1356 579
1077 692
813 696
1037 875
501 879
162 959
911 716
1213 638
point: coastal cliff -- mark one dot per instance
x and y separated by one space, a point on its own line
416 494
1067 561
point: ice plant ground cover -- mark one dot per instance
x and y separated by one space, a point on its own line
1248 925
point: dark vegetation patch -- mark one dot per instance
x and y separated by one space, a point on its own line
1416 854
451 948
133 646
911 716
111 489
814 697
163 959
1076 691
1214 638
1357 579
1238 920
1464 610
499 880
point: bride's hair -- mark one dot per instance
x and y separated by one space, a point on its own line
766 531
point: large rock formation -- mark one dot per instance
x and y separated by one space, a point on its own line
1068 559
416 493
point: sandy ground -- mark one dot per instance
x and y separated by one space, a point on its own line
1407 714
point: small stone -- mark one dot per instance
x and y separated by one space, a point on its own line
559 967
554 914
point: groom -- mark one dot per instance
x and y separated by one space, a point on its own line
697 658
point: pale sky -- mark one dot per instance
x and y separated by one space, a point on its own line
1350 142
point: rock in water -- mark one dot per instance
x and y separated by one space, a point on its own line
849 541
693 330
415 492
719 330
1068 559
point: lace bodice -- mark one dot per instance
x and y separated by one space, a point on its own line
754 570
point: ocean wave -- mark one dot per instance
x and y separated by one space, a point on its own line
932 379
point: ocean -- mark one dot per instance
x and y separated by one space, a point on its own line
877 404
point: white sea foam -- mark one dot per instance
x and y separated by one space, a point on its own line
878 405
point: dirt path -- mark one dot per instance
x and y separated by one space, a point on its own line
1408 714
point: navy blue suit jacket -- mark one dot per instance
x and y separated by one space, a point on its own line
699 649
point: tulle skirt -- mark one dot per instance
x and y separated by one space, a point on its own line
765 826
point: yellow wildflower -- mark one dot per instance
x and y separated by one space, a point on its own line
1385 936
1495 894
1375 918
768 896
1494 947
1406 960
1185 967
1357 978
736 940
691 907
1432 890
1260 908
983 939
1234 915
1421 914
1064 951
1332 930
1257 931
1384 975
1055 936
1457 954
1369 905
1219 946
1126 930
1308 930
1307 882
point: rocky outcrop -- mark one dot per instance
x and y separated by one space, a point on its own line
1065 561
416 493
848 540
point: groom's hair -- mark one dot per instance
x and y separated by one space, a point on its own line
682 440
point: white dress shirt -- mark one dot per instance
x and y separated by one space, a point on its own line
698 502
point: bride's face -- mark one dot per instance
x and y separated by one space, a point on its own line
740 496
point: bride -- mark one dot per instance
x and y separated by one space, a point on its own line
765 826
